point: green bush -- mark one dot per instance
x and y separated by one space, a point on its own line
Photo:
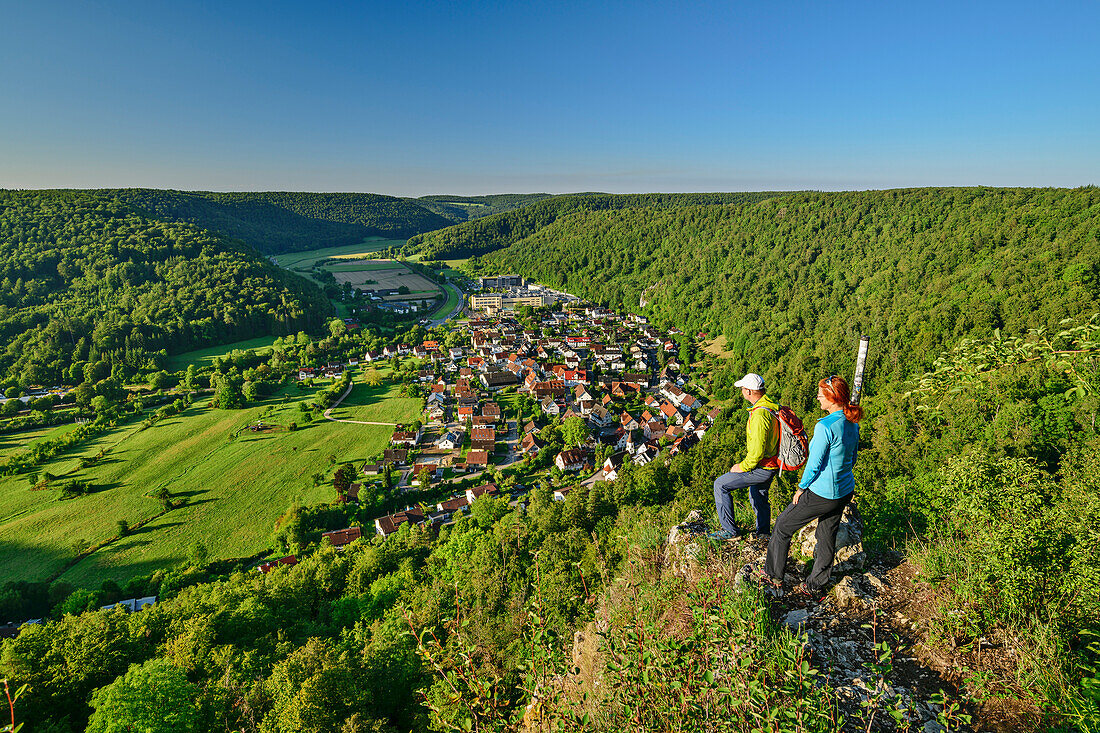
155 696
1017 545
75 488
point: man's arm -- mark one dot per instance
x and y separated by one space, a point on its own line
754 440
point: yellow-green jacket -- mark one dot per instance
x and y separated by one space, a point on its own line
762 436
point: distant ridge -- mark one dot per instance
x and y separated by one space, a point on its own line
274 222
498 231
467 208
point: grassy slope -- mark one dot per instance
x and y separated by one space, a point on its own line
236 488
203 357
453 302
378 404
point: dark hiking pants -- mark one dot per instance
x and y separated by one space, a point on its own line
810 506
758 480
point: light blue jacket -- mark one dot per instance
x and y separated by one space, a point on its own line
833 448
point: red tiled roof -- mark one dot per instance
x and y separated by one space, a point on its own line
341 537
571 457
453 504
396 455
389 524
484 433
479 491
267 567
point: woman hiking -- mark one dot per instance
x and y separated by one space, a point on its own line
823 493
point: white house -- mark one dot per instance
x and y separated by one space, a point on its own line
570 460
448 441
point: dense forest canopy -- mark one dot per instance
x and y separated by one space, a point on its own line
792 281
494 232
87 280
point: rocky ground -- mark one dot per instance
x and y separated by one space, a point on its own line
875 637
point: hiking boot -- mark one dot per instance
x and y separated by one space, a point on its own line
756 573
722 535
807 593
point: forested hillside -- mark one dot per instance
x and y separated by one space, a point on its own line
494 232
792 281
282 221
90 283
979 448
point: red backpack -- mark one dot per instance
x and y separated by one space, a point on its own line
794 446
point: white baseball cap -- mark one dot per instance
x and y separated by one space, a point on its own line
755 382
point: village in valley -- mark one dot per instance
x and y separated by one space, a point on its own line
527 358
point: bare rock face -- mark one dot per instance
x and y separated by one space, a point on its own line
685 545
854 591
796 620
849 593
849 541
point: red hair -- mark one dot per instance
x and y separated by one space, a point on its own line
836 391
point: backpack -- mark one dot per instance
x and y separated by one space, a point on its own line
794 446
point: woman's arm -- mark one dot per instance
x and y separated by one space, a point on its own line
818 456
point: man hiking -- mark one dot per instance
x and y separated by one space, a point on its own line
757 469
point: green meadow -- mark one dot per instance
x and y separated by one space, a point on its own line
305 260
378 404
235 484
453 302
203 357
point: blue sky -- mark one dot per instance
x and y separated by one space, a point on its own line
412 98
